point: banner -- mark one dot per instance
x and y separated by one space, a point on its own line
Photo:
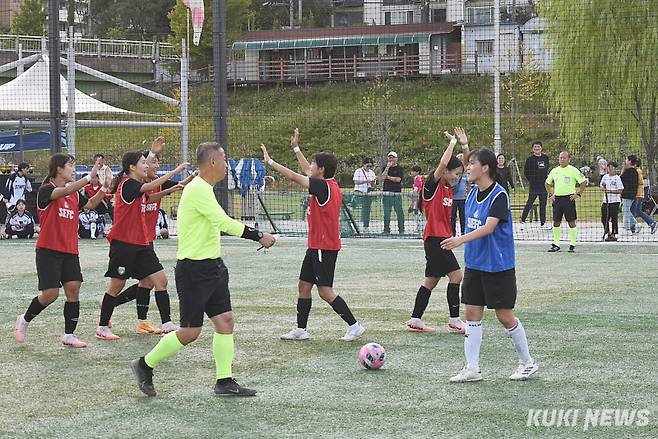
10 141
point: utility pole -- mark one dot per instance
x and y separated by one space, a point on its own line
496 54
220 92
54 64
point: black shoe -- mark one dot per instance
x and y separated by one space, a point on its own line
144 377
572 249
554 248
232 388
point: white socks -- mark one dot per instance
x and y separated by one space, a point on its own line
520 342
472 342
92 228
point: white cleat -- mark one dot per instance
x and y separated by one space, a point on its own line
456 326
71 341
168 327
524 371
353 332
467 375
521 225
20 331
547 226
296 334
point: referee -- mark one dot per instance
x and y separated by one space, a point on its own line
201 276
561 185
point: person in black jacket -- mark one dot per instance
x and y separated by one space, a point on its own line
629 179
503 174
536 171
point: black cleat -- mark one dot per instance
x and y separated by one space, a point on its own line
554 248
232 388
144 377
572 249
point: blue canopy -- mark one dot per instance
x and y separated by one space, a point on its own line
10 141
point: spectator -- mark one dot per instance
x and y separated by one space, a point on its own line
503 174
105 207
536 171
629 179
612 188
603 167
417 187
162 227
392 198
90 224
364 182
18 184
638 205
566 184
21 223
460 190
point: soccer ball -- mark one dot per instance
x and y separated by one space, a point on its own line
372 356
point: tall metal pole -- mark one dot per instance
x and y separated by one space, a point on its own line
299 12
70 98
184 97
292 14
55 92
496 54
221 98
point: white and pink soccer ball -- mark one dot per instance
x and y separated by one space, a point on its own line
372 356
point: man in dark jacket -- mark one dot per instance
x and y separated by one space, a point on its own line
629 179
536 170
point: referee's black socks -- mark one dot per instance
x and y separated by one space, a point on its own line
453 299
422 299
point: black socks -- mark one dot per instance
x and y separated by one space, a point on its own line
71 314
162 300
143 298
127 295
341 308
453 299
303 310
107 308
422 299
34 309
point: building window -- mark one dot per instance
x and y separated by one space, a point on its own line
439 15
484 47
480 15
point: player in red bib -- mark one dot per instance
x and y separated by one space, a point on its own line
141 291
131 252
436 201
323 238
58 264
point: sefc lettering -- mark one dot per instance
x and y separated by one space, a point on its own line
447 202
473 223
66 213
152 207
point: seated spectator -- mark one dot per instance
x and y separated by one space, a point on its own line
161 227
20 224
90 225
105 207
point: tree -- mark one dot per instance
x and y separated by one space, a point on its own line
237 15
131 19
30 18
604 78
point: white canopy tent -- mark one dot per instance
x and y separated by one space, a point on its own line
28 95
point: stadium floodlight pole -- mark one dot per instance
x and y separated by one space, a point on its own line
496 54
220 92
55 87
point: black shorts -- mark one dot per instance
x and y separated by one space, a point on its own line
495 290
55 268
563 206
439 262
202 288
318 267
130 260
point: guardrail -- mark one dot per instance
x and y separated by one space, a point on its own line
153 50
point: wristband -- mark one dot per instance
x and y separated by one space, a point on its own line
104 189
151 155
465 145
251 233
296 149
88 178
453 142
270 162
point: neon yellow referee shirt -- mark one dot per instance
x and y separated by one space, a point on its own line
200 222
565 180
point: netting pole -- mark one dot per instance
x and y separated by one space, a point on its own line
55 87
496 54
70 77
220 91
184 97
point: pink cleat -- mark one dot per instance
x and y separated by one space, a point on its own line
457 326
104 333
20 332
70 341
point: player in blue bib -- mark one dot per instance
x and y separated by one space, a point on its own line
489 277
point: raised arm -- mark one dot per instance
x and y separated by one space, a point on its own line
294 144
445 158
94 201
463 140
146 187
160 195
480 232
301 180
62 192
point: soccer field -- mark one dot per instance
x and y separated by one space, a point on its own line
591 320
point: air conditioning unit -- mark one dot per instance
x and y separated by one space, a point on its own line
360 74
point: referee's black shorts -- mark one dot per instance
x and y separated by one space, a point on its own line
318 267
54 268
440 262
564 206
495 290
202 288
130 260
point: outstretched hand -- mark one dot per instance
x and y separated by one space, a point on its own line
266 156
180 168
461 135
294 140
451 243
95 168
158 145
452 138
108 177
